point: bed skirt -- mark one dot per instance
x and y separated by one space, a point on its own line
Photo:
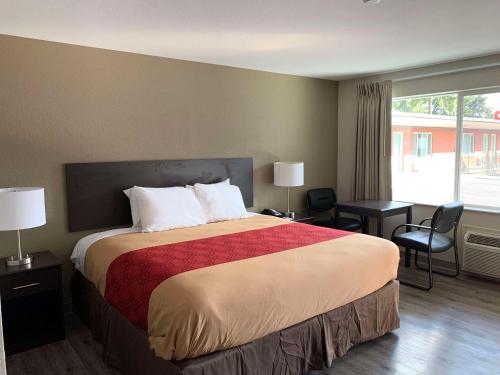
310 345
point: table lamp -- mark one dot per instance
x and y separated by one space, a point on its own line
289 174
21 208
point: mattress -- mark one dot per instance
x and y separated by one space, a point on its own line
217 286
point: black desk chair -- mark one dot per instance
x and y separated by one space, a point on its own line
433 238
323 200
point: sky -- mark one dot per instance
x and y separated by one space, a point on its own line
493 101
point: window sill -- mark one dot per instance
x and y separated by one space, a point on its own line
486 210
483 209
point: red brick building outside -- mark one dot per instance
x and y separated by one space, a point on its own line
418 136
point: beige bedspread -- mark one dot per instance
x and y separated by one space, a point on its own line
229 304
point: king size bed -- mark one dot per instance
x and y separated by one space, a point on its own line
256 295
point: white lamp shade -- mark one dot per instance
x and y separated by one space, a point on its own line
21 208
289 173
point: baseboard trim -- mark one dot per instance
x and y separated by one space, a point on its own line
480 276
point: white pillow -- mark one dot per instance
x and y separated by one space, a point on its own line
225 182
168 208
134 206
220 201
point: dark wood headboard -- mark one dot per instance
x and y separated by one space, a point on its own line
94 190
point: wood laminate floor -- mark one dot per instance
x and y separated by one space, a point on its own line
453 329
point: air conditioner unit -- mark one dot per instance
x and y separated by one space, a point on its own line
481 252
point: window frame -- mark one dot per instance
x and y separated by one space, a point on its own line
459 138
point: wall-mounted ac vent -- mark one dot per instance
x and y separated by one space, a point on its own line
481 253
485 240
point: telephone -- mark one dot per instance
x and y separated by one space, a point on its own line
272 212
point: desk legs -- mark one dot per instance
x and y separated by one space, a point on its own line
365 224
380 226
408 250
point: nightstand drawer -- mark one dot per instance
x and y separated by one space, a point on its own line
27 283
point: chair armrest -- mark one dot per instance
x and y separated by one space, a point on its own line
410 226
423 221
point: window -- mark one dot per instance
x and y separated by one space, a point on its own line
479 179
485 144
427 169
397 150
422 144
468 144
427 161
493 150
485 150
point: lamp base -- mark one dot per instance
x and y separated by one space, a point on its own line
290 214
25 260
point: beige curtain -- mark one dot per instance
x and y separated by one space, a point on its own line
372 168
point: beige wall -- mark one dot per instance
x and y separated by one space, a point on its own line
61 104
467 74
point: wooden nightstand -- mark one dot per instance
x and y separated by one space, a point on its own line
301 218
32 304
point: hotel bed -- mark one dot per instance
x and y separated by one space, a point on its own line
257 295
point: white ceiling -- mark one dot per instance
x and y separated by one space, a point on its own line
334 39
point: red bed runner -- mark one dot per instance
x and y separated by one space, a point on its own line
132 277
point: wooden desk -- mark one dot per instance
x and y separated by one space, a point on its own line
379 210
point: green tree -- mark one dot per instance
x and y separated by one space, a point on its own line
445 105
475 106
414 105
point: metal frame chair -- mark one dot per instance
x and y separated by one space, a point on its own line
446 218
